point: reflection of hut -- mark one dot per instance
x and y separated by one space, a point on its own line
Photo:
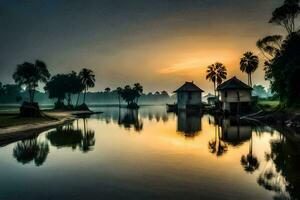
235 95
188 96
188 124
235 132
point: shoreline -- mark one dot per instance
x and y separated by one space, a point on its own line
14 133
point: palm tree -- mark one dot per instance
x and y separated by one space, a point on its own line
87 77
216 73
119 92
249 64
138 89
30 74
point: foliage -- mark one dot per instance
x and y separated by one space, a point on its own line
29 75
282 64
63 85
216 73
249 63
260 91
131 95
31 150
270 45
286 14
283 71
10 93
107 89
87 78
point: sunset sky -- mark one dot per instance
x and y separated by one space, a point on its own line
159 43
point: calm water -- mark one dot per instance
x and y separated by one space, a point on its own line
150 154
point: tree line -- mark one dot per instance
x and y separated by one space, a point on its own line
63 87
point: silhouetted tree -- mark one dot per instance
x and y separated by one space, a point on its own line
73 86
131 95
138 90
249 63
270 46
29 75
56 87
216 73
87 77
283 71
10 93
107 90
286 14
119 92
1 89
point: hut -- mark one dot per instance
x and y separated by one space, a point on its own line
235 96
210 99
189 96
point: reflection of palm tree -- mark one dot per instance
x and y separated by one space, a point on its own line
250 162
131 119
281 172
29 150
217 146
65 137
68 136
88 140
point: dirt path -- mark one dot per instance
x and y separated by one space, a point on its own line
14 133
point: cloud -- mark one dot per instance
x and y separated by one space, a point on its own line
188 65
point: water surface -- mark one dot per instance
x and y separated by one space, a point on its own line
151 154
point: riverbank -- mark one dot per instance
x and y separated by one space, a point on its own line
16 128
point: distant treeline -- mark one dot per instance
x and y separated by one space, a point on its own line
14 94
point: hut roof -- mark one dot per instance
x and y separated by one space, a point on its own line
189 87
234 83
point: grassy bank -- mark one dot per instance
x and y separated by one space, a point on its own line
268 104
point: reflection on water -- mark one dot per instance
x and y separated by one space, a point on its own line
30 150
189 124
69 136
226 159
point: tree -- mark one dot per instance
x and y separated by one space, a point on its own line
87 77
119 93
270 45
73 86
138 91
249 64
130 95
56 88
216 73
10 93
260 91
284 69
286 14
1 89
107 90
29 75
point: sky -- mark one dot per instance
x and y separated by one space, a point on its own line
158 43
